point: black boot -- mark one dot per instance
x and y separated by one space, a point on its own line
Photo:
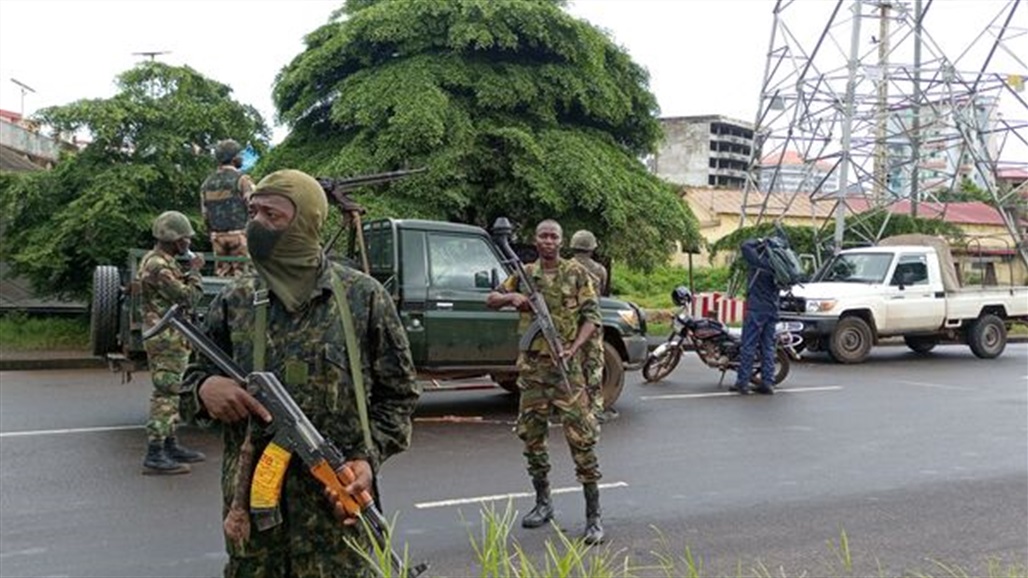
543 510
593 526
181 454
158 463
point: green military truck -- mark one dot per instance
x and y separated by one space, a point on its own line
438 273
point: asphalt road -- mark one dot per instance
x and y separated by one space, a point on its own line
915 459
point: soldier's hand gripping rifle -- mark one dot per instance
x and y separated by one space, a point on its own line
292 433
338 192
542 321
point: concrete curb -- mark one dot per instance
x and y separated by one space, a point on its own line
57 361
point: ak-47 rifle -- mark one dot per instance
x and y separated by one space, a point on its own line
338 192
292 433
542 321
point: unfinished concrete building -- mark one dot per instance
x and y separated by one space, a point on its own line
709 150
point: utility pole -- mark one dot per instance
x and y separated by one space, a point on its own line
881 169
915 142
847 127
24 89
152 54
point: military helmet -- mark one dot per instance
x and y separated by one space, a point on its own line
171 226
583 241
226 150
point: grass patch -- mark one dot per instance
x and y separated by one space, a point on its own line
21 332
652 290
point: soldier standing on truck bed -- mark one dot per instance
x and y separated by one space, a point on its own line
223 197
583 243
163 283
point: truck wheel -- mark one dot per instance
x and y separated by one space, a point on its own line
921 343
987 337
613 375
851 341
103 316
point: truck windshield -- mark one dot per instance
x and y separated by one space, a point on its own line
856 268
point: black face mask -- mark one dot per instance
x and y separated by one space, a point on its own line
261 240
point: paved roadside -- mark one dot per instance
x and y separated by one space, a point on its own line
49 359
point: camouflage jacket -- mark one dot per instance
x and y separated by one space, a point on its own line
570 297
164 283
223 197
597 271
307 352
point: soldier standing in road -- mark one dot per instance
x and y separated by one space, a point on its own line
574 306
288 319
163 283
583 243
223 196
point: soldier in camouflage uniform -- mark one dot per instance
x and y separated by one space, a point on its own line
223 196
574 306
583 243
163 283
304 345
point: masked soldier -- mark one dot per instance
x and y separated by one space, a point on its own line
223 196
163 283
583 243
574 306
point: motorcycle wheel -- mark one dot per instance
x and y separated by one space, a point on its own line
657 368
782 366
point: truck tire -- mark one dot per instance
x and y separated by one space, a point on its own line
921 343
987 337
613 375
850 342
103 315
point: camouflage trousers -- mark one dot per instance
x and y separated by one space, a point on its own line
167 356
592 367
310 565
229 244
541 391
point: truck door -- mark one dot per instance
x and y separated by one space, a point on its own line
459 328
913 301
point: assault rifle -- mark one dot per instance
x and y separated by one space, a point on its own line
338 192
542 322
293 433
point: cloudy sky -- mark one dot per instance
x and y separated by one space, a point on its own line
703 56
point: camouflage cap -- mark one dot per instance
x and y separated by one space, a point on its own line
226 150
172 226
583 241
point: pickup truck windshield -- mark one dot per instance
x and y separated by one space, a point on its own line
857 268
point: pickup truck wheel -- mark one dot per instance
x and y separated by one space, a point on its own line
920 343
851 341
103 315
613 375
988 337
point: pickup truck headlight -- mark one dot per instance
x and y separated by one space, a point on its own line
820 305
630 317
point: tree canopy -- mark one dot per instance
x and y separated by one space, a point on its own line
517 109
149 150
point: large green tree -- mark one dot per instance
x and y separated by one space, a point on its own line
149 150
517 109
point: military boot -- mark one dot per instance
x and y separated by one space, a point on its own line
181 454
157 462
543 510
593 527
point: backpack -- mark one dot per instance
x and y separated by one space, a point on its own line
785 265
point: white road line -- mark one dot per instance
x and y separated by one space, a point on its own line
733 394
50 432
935 385
493 498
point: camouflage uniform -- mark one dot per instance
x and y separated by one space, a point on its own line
571 299
223 196
307 351
592 353
163 283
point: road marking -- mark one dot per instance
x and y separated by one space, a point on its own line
25 552
50 432
733 394
936 385
476 419
493 498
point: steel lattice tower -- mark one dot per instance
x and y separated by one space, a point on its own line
874 99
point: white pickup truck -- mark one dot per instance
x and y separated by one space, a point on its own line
906 286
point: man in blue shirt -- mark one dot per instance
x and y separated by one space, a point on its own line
758 328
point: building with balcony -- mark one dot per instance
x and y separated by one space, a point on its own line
704 151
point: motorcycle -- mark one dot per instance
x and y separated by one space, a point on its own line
716 345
